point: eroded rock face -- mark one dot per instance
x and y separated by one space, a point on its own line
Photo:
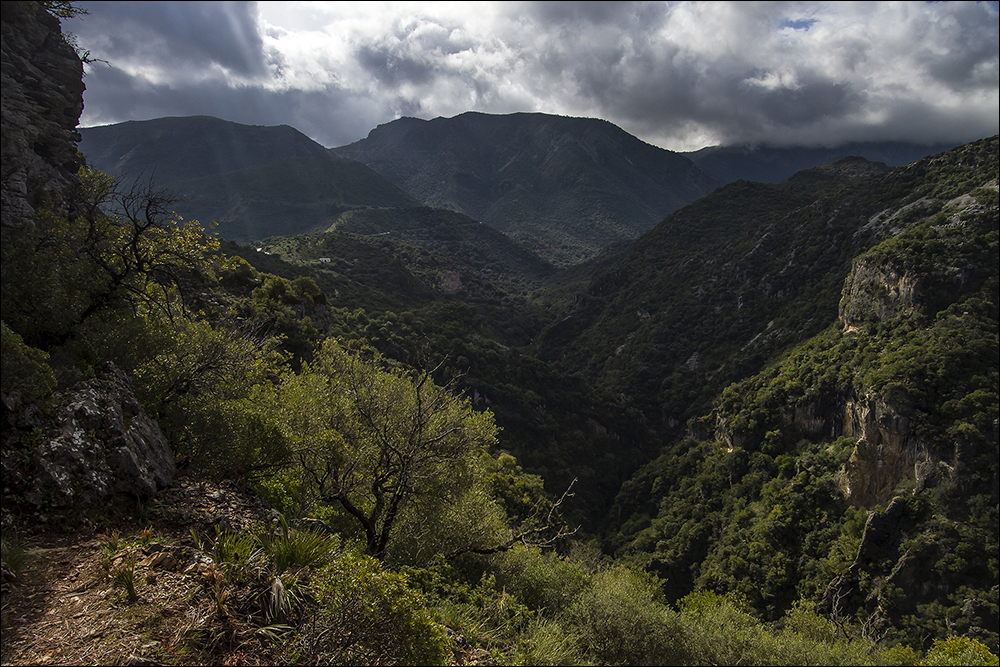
887 451
41 99
101 443
876 292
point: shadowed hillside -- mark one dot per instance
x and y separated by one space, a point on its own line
564 187
253 181
773 165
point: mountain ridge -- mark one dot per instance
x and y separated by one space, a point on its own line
563 187
254 181
710 247
568 184
766 164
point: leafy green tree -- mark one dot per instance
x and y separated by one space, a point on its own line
125 250
380 442
405 461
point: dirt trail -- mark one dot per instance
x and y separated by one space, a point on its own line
64 609
56 607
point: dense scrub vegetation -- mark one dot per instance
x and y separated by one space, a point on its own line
775 506
497 465
724 284
441 532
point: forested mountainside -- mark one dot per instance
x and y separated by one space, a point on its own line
891 407
253 182
715 290
764 432
711 300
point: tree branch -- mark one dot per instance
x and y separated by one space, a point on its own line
523 535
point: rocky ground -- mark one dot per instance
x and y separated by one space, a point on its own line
63 608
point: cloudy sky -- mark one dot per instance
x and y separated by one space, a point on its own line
679 75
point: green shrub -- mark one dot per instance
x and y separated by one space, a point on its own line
493 619
12 552
721 630
25 370
366 615
293 549
808 638
543 582
547 642
622 620
959 651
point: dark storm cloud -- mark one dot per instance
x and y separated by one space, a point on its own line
812 82
622 14
675 74
176 34
330 116
393 68
961 68
814 100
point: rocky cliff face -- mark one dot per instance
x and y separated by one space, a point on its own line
875 292
887 451
903 286
95 441
41 99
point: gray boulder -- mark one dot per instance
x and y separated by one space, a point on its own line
101 443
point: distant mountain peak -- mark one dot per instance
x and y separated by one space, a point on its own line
845 168
563 186
770 164
254 181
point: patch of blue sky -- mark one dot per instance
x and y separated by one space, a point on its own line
798 24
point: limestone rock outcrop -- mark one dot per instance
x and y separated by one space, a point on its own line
876 292
99 443
41 99
887 451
